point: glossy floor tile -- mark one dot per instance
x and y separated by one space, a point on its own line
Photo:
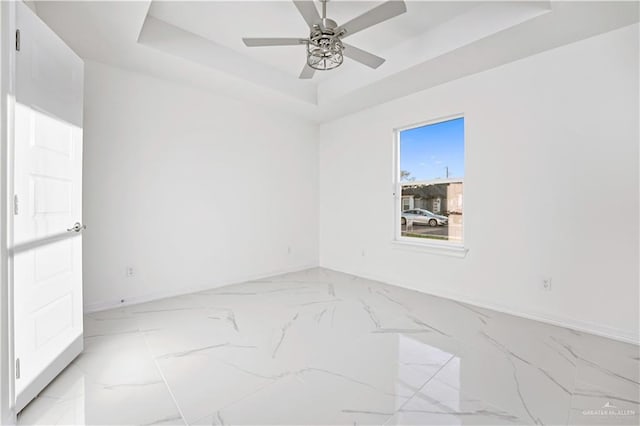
319 347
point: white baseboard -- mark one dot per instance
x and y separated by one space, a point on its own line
618 334
117 303
545 317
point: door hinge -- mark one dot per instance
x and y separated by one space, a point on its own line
17 368
18 40
15 204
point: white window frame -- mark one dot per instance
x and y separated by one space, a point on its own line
449 248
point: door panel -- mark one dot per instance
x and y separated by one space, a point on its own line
49 74
47 258
51 260
53 320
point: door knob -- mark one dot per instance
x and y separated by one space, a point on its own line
77 227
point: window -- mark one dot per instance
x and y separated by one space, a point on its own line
430 182
436 205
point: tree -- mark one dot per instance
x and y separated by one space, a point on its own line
406 176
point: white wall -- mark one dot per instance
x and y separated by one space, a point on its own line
190 189
551 188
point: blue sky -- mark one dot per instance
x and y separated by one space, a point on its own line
426 151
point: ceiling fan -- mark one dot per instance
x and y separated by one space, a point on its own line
325 48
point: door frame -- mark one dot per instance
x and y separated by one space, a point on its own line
7 104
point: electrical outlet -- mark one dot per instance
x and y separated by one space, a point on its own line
546 284
129 271
362 253
288 249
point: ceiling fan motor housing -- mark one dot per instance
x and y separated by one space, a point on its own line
326 24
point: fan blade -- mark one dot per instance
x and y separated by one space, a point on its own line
375 16
307 72
308 11
364 57
260 42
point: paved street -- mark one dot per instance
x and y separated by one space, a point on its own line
442 231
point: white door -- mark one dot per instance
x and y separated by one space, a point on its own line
47 249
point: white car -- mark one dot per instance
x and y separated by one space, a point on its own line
423 217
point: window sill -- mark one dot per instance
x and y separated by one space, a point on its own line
452 250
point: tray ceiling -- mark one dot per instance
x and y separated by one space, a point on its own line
200 43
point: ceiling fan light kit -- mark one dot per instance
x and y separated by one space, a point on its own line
325 49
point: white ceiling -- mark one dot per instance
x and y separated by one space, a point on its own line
199 43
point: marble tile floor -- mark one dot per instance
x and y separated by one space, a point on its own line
319 347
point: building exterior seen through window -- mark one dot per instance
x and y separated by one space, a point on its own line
431 180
